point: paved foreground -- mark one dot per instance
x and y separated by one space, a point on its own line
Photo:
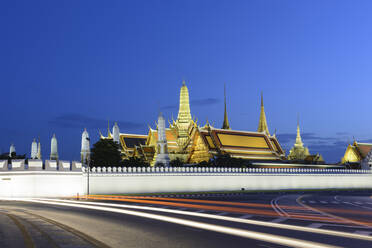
243 220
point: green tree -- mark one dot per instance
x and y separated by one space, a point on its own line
203 164
135 162
5 156
176 163
105 152
225 160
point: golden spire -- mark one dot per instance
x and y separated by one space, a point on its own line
184 115
109 135
298 137
225 124
262 125
207 125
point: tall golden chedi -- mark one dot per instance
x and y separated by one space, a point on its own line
184 121
193 144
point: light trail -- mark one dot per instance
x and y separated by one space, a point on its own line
242 204
276 239
298 200
275 206
356 205
219 208
187 205
226 218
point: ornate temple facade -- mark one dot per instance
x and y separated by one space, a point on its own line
191 143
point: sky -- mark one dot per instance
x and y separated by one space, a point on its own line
70 65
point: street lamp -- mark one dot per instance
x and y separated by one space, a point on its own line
88 166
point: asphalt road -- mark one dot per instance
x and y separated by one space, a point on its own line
248 220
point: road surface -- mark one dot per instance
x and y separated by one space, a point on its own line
240 220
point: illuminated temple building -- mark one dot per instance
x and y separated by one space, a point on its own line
191 143
356 153
301 153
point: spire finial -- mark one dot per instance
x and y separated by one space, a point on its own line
108 130
262 101
298 137
225 124
224 93
262 125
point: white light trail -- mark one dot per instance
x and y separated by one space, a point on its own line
281 240
226 218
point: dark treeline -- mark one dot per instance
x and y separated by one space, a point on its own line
5 156
107 153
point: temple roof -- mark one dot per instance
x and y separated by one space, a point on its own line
356 152
251 145
169 134
132 140
363 148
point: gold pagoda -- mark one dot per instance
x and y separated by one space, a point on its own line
301 153
191 143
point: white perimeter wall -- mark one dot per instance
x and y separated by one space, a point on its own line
70 183
40 184
145 183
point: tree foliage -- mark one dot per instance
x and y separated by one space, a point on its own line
176 163
5 156
135 162
105 152
225 160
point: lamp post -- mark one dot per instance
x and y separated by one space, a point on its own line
88 167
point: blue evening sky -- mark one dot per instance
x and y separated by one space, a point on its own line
66 65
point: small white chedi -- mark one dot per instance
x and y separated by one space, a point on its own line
85 147
53 148
162 156
116 133
11 150
34 150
